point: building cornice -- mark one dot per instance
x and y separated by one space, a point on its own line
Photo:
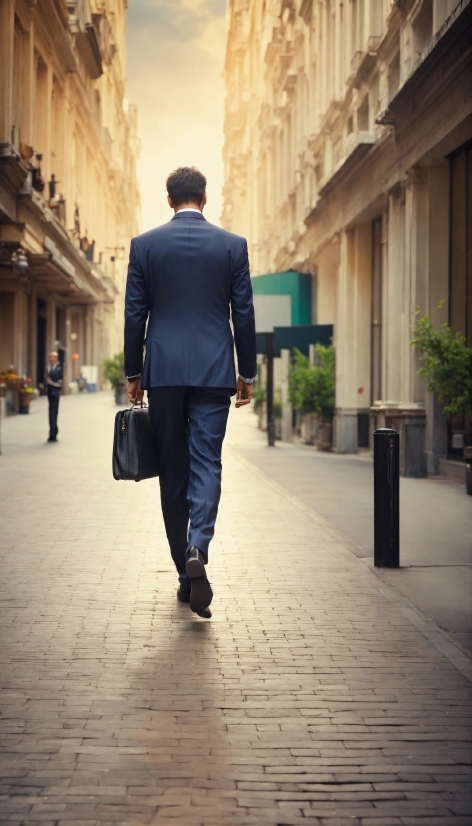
448 50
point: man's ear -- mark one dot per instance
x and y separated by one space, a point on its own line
169 201
204 200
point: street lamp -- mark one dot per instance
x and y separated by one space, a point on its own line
20 264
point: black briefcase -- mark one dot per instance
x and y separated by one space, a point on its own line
134 450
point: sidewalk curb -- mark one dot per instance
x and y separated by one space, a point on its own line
436 635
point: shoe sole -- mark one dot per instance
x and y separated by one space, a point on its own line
201 594
194 568
206 613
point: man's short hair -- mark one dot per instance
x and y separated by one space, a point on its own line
186 185
54 353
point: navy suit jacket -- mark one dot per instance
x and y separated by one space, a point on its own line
183 279
56 374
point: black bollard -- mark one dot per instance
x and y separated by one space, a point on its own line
386 498
270 390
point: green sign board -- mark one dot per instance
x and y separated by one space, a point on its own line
296 285
287 338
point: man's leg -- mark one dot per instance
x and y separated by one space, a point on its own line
169 423
53 399
207 411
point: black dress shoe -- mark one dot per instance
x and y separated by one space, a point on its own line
201 594
183 596
205 613
52 439
195 565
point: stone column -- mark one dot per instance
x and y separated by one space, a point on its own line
352 335
20 330
92 353
88 336
418 222
33 338
51 336
394 320
68 352
416 277
345 421
363 264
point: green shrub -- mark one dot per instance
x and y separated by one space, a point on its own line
447 363
278 409
114 370
311 388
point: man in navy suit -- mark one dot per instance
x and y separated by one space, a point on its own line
53 379
187 281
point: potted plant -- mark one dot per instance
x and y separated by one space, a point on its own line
311 391
26 394
114 372
300 396
10 378
447 365
258 401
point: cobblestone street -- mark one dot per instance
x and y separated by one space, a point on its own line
315 695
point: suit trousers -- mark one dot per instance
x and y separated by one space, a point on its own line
189 425
54 394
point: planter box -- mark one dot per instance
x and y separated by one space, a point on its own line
121 396
309 428
325 436
24 403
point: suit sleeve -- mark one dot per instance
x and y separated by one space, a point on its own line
242 312
136 314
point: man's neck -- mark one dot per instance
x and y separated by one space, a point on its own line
197 207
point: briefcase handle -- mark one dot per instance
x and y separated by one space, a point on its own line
140 406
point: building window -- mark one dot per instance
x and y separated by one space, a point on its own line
363 116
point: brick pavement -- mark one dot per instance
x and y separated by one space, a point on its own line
315 695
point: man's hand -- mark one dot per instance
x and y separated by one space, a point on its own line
135 394
243 393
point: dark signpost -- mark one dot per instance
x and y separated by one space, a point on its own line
287 338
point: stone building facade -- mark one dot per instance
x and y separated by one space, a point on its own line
69 199
347 155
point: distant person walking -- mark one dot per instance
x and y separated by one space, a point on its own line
53 381
186 280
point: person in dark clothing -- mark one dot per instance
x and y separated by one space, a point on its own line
187 281
53 381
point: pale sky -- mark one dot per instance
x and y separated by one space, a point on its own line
175 65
